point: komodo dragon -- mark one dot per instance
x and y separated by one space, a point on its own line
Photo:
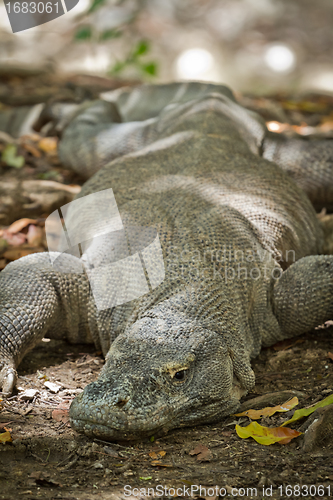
241 247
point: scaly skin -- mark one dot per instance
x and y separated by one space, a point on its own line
240 241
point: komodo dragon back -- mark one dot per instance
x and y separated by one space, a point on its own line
240 244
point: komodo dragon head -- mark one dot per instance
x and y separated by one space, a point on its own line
165 371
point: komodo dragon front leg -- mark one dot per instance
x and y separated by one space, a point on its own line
303 296
36 301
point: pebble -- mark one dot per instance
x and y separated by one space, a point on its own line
52 387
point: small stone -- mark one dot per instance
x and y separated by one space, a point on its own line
52 387
28 394
98 465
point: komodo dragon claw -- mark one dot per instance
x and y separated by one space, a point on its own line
8 378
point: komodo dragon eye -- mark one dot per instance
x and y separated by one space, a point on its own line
180 375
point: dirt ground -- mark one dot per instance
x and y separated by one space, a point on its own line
46 459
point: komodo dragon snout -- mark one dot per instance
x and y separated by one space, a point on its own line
160 375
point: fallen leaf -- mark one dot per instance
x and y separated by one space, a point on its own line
28 394
31 149
52 386
269 411
33 136
9 156
304 412
20 224
5 437
330 355
49 145
14 240
267 435
203 453
35 235
157 455
4 425
60 416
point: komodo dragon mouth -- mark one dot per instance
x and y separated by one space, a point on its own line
106 421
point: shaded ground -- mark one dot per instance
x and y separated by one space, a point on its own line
46 459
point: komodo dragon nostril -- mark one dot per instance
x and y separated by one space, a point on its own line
121 402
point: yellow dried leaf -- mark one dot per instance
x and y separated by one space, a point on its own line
156 456
5 437
269 410
48 145
267 435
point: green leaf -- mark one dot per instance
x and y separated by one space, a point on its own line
95 5
304 412
152 439
141 48
150 68
147 478
10 158
83 33
117 68
106 35
52 174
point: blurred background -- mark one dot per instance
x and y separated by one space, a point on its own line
258 46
